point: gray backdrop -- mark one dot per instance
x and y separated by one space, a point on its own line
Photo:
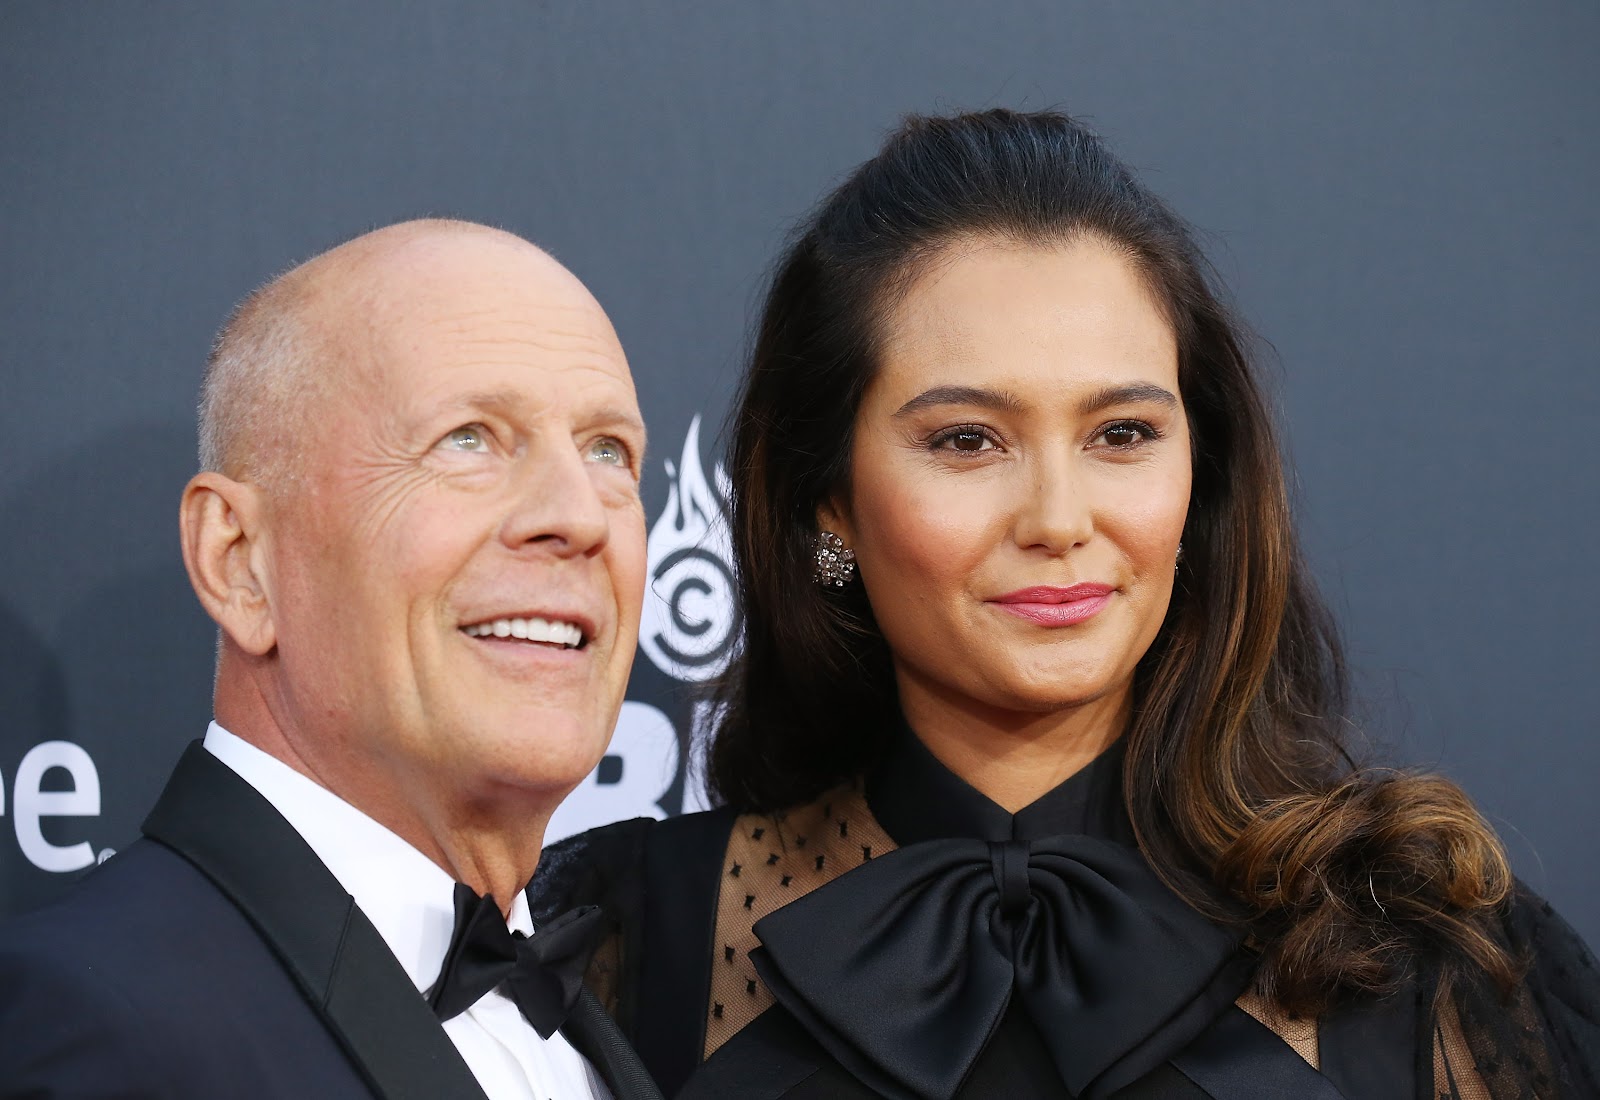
1402 196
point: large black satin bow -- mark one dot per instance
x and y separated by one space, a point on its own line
903 967
543 973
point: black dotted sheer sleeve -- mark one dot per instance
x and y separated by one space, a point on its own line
1565 983
1544 1040
600 867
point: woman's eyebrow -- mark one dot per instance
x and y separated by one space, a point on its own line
1003 401
1127 394
999 400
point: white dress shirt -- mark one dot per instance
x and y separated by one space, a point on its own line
411 902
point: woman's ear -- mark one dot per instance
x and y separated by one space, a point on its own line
833 514
220 526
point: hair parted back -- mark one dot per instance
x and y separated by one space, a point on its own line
1237 781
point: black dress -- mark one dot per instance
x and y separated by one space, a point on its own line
908 938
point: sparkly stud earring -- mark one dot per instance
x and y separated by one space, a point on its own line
832 563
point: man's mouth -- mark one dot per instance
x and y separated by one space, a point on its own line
554 632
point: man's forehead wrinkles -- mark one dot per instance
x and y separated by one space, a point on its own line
575 386
475 317
542 339
564 333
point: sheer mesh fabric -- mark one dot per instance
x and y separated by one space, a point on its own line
604 974
1544 1040
595 868
771 860
1455 1074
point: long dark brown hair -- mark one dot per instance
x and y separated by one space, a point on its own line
1240 788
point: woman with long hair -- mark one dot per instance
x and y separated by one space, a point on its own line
1033 761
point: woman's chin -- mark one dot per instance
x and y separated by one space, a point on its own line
1055 697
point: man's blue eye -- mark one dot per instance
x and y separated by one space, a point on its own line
469 438
609 451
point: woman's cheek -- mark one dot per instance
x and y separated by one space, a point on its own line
932 530
1145 521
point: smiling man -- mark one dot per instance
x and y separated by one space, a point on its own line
418 528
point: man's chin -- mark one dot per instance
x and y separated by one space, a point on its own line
539 749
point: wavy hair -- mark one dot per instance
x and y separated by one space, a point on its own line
1238 782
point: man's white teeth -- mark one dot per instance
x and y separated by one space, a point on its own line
534 630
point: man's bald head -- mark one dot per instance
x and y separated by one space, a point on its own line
288 344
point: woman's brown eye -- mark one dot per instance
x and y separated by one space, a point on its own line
1122 435
967 441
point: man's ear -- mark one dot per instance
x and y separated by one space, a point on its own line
220 526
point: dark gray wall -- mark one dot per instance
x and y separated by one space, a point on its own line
1403 197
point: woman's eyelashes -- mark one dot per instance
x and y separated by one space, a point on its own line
965 439
1126 435
1121 436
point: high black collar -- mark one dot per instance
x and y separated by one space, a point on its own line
916 798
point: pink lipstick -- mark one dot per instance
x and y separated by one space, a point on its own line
1049 605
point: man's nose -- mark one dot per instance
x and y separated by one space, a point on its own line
555 503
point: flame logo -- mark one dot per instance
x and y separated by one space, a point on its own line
690 624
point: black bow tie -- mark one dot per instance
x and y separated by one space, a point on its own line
543 973
903 967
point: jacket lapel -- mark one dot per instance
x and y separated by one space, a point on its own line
222 825
593 1035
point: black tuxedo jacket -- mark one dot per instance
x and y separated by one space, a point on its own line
218 957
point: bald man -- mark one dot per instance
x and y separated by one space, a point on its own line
418 529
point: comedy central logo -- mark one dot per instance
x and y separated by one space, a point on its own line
690 624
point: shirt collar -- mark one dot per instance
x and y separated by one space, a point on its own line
408 898
915 798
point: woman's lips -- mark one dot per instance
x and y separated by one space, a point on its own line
1049 605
